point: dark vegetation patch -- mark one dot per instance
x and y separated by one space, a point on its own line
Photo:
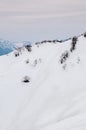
85 34
73 44
64 57
29 48
26 79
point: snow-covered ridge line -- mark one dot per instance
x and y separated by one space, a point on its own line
7 46
59 41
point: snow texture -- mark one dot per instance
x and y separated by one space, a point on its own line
55 97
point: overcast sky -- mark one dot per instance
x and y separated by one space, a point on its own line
36 20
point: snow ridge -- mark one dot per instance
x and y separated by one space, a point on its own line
43 87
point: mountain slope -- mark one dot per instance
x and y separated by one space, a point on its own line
8 46
5 47
54 99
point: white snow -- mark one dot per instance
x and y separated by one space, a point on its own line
54 99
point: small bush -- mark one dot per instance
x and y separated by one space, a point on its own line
85 34
64 57
54 41
27 61
73 44
16 53
28 47
74 39
26 79
37 43
49 41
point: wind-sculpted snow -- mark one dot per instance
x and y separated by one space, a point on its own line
55 96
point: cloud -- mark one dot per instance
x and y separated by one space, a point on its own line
40 5
18 18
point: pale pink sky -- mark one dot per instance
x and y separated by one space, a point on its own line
21 17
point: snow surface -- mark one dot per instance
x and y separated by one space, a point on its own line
55 97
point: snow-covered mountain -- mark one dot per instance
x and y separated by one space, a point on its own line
43 87
5 47
8 46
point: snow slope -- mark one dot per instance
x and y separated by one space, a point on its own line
55 97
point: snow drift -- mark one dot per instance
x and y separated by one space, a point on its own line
54 98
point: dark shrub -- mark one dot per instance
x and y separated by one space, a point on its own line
16 53
28 47
27 61
73 44
37 43
85 34
60 41
64 57
44 41
26 79
54 41
49 41
74 39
